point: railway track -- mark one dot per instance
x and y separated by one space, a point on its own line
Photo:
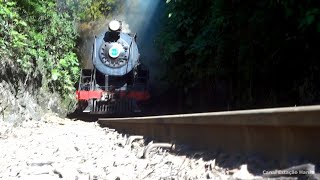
277 133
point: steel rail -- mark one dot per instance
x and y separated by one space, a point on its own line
278 133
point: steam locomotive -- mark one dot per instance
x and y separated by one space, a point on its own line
118 82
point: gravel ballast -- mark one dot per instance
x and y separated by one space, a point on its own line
56 148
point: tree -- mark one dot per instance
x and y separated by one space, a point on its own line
265 52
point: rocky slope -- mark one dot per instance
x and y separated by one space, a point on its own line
26 102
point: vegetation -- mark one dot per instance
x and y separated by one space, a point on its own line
265 53
38 40
87 10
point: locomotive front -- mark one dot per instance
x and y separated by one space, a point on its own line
118 52
118 83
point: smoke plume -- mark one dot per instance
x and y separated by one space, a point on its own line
142 17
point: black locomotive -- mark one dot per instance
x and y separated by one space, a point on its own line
118 82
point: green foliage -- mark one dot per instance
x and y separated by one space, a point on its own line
39 40
13 40
87 10
263 49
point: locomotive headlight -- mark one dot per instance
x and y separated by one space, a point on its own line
114 25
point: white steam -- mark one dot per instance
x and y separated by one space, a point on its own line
125 27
